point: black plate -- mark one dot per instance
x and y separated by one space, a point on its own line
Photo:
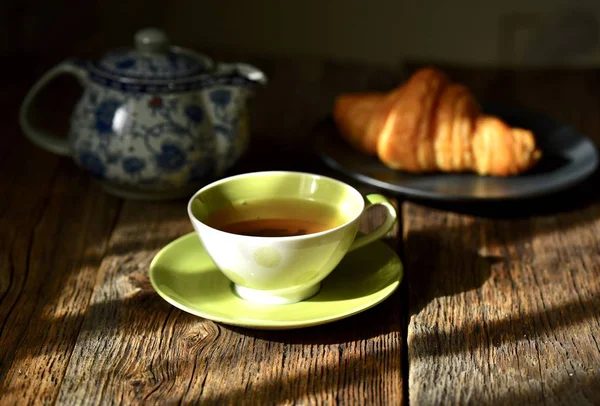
568 158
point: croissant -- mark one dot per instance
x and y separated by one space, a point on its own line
352 114
431 124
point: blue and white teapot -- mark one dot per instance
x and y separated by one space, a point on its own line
154 122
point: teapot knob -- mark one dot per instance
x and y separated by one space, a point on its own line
151 40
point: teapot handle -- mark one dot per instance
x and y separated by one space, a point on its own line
36 135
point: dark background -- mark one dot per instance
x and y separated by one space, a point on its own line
385 32
290 39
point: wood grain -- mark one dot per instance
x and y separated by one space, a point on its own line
48 269
503 312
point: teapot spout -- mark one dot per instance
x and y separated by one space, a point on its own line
241 74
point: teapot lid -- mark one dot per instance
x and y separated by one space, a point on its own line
153 59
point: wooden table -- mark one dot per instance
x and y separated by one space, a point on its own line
500 304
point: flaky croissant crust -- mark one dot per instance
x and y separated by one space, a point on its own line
430 124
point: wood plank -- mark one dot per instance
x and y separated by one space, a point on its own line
503 312
55 229
135 348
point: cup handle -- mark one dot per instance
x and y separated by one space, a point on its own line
37 135
390 220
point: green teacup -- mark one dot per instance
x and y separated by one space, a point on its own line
277 235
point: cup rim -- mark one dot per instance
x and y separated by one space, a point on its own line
286 238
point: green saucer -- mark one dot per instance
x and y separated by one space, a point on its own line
183 274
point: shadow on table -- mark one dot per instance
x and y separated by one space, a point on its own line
438 266
583 380
575 198
383 319
363 374
510 329
450 259
509 227
583 391
138 311
445 257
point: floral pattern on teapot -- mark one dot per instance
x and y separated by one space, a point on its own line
162 139
155 121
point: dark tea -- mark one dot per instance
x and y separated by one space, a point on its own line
281 217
